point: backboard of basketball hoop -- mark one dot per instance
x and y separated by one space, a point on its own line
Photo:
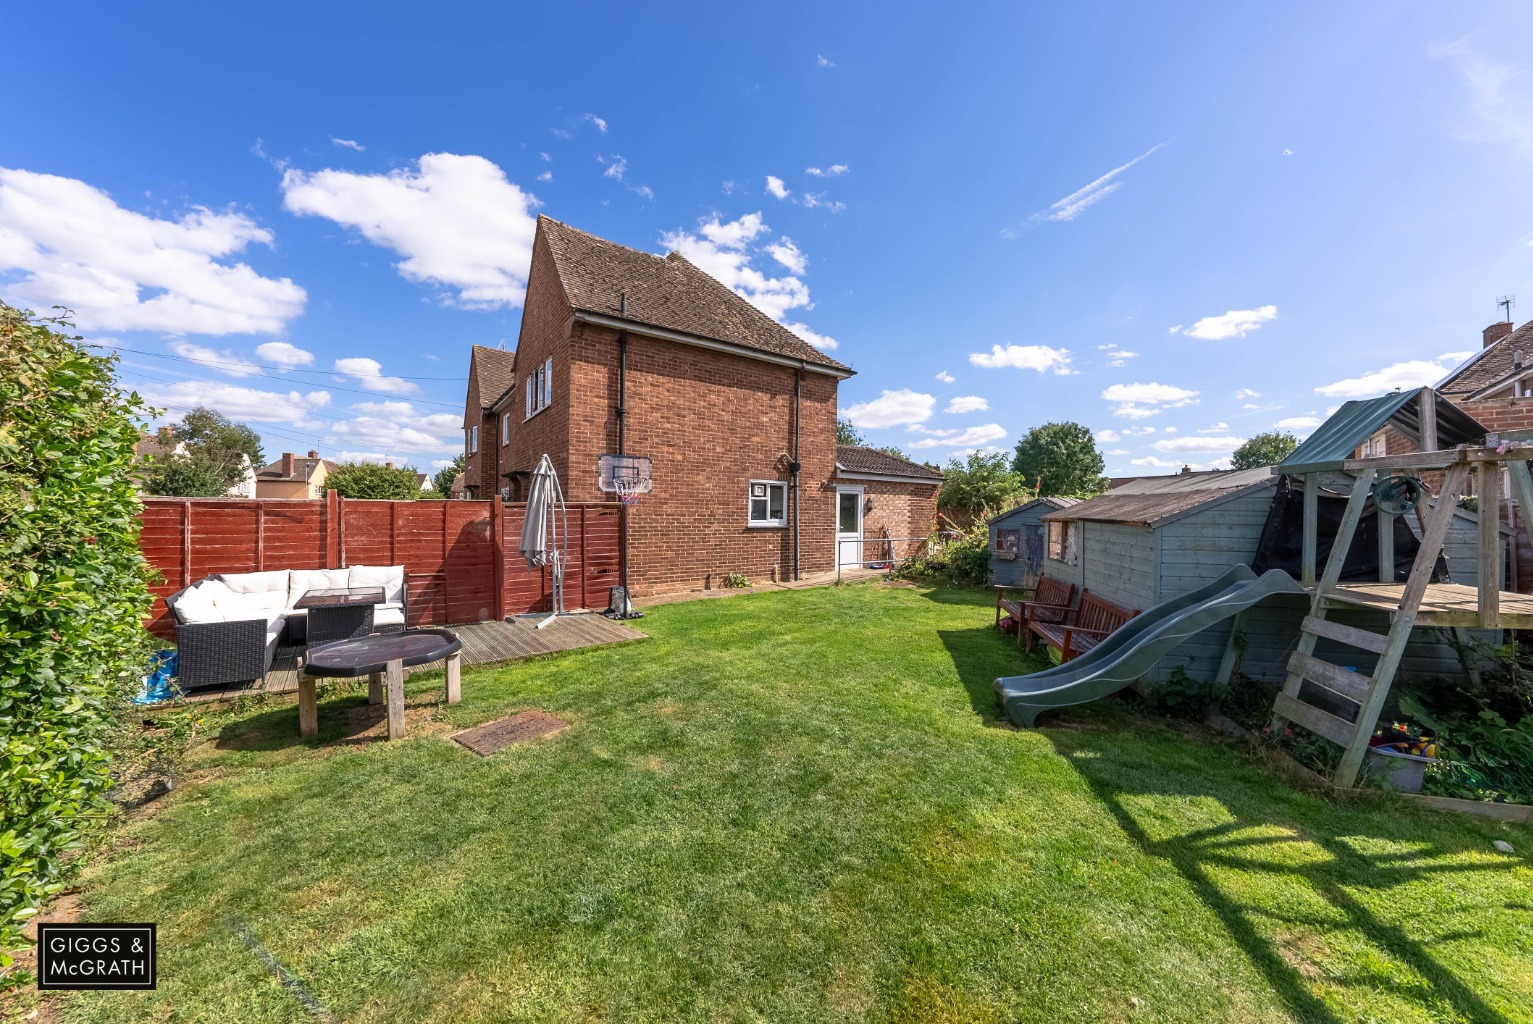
628 474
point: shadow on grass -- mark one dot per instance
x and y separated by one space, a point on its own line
942 593
1206 856
979 656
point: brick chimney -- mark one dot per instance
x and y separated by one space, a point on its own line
313 454
287 464
1495 332
388 465
1186 470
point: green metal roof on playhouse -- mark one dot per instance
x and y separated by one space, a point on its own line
1355 422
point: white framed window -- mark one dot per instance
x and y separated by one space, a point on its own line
1376 446
539 389
505 428
473 440
1063 541
767 504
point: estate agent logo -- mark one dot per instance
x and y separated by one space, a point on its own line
80 956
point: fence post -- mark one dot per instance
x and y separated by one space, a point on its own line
332 529
186 543
260 536
498 545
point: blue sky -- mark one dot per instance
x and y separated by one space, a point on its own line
1177 224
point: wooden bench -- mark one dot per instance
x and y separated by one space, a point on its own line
1050 602
1095 619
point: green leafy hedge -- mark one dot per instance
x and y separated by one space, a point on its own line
73 592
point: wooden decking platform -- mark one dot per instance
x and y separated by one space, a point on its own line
484 643
1445 604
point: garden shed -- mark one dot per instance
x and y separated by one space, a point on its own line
1016 541
1156 538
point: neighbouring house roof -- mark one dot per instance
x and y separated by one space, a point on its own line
1337 438
496 370
1492 367
1151 500
855 459
668 292
303 470
153 445
1050 500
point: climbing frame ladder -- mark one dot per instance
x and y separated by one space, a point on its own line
1367 692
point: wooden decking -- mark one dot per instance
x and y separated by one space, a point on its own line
1445 604
484 643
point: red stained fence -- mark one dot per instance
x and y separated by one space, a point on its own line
459 556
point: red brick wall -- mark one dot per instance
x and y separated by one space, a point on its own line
712 422
479 468
546 322
903 510
1501 413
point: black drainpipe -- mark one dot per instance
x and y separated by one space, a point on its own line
622 413
798 396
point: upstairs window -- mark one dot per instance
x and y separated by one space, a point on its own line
539 389
505 428
768 503
473 440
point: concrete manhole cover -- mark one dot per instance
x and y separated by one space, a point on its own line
485 739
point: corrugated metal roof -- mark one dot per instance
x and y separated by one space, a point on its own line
1339 436
1050 500
1149 500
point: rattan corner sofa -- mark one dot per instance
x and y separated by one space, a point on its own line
228 627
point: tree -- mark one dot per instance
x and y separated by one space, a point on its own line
848 434
1264 450
444 477
215 457
73 595
370 480
1060 459
982 485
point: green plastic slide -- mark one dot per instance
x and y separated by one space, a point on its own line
1135 647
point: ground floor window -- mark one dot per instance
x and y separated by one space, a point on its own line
768 503
1063 541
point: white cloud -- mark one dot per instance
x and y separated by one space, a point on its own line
546 176
368 373
820 341
1137 431
616 169
1298 423
1287 152
400 427
1024 357
1245 394
545 158
1077 202
1414 373
967 403
1216 428
239 403
457 220
348 144
225 362
284 355
969 438
892 409
722 251
1203 445
645 191
1173 328
1454 358
1116 356
822 61
1155 462
945 377
1139 401
1500 115
789 255
1107 436
1135 412
814 199
601 125
728 188
834 170
1237 323
1117 451
121 270
776 187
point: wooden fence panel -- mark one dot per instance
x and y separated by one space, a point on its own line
458 569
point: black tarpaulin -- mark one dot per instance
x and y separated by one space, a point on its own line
1282 540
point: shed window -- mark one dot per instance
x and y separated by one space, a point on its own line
1006 543
1063 541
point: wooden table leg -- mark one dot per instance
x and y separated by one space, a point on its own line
375 688
394 679
308 706
454 677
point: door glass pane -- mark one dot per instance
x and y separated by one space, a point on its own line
847 522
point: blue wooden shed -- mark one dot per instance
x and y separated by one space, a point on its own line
1016 541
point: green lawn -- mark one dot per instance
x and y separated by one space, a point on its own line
799 806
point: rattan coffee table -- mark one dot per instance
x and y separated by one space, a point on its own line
381 657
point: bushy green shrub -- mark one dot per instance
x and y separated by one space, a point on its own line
962 558
370 480
73 592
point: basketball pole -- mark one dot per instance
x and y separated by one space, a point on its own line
622 417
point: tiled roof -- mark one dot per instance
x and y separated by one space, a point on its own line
1149 499
856 459
496 369
149 446
303 469
1048 499
665 291
1491 364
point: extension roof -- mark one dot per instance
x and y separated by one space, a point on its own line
1492 367
668 292
1338 437
1151 500
856 459
496 369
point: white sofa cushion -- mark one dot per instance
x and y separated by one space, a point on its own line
274 624
250 605
390 577
383 615
201 602
301 581
257 582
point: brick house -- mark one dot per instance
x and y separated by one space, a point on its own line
293 476
491 371
625 350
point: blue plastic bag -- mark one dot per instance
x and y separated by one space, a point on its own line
158 684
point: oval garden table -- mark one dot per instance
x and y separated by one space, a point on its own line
381 657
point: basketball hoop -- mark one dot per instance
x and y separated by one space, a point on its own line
627 476
627 492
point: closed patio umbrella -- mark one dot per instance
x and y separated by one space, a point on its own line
544 529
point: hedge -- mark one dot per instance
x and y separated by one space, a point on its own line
73 593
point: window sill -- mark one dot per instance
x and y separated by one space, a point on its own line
766 526
537 413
